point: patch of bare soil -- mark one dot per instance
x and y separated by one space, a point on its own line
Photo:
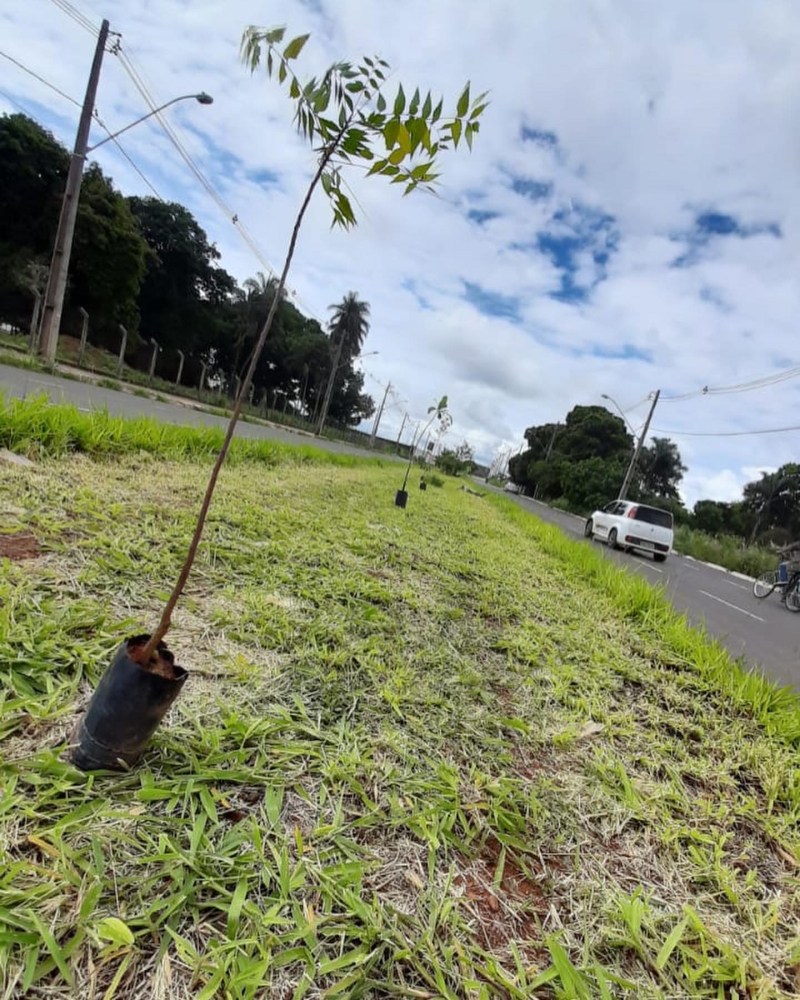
19 545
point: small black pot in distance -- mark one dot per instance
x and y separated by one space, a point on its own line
125 710
423 485
400 498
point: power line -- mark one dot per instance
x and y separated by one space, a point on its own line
767 430
76 16
760 383
127 156
41 79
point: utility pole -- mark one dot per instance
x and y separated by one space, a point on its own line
378 416
402 427
547 455
326 402
637 450
57 279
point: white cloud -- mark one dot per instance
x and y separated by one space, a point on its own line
660 113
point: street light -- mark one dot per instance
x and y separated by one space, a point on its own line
201 98
59 266
611 399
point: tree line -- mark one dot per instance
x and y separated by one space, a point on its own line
148 265
580 464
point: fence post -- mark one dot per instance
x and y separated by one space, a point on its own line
180 368
156 349
84 335
33 340
121 358
202 379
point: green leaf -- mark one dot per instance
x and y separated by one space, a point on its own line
282 72
437 111
390 132
455 131
398 155
399 101
275 35
671 943
235 909
295 47
468 134
294 88
426 107
478 111
115 931
412 108
403 139
58 954
463 103
380 104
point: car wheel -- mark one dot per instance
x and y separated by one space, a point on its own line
588 529
659 557
612 539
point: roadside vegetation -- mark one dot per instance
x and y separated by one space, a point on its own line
726 550
439 752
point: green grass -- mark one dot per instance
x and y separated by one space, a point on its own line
34 427
725 551
441 752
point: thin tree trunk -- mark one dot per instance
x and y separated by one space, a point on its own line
166 618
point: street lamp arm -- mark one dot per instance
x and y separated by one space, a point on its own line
201 98
611 399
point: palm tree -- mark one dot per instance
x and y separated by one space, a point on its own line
259 293
348 327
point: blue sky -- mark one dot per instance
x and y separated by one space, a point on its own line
628 219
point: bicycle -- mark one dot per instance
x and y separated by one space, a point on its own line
786 579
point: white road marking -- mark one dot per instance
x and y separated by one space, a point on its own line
734 606
655 569
739 585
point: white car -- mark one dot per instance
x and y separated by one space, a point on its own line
511 487
628 525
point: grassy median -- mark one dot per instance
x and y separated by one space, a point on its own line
441 752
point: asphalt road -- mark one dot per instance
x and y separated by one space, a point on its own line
763 632
87 396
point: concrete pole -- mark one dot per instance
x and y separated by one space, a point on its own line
153 357
238 386
326 402
123 345
202 378
378 416
180 367
59 267
402 427
250 394
84 335
637 450
33 339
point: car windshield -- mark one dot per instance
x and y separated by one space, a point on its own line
652 515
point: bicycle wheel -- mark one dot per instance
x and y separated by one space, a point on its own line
766 583
793 599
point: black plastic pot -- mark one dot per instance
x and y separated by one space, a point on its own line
125 710
400 498
423 485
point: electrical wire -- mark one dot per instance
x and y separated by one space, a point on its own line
127 156
760 383
76 16
41 79
766 430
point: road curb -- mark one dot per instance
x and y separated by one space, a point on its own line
721 569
